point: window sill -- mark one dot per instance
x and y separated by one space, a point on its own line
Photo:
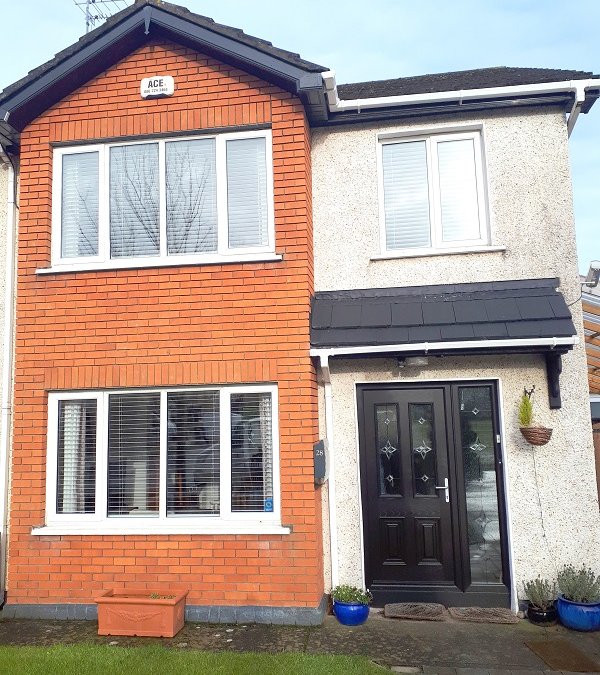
393 255
138 263
147 528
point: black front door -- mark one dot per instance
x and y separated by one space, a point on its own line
432 500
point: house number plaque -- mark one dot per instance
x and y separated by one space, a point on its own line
157 86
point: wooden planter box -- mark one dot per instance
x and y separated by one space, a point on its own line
136 613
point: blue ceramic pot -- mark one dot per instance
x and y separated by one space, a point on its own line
350 613
579 615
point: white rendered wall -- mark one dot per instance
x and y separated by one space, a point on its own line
531 214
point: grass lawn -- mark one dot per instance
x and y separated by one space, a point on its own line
112 660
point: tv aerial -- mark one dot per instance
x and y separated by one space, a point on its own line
97 11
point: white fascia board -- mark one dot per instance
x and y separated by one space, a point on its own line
578 87
429 347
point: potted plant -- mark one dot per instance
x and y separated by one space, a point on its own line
579 602
533 435
144 613
541 596
350 604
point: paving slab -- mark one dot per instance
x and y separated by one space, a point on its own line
432 648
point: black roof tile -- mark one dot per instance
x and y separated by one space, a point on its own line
527 308
438 312
346 316
376 314
470 311
535 308
502 309
407 314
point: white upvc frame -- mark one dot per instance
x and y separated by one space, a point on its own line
226 522
223 254
437 244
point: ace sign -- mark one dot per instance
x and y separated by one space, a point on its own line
157 86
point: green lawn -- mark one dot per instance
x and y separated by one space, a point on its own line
112 660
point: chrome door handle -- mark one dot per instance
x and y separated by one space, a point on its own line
446 489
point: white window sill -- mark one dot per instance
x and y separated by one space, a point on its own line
149 528
141 263
421 253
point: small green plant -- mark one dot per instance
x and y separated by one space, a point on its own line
579 585
158 596
541 593
526 407
346 593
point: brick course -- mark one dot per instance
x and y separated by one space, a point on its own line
192 325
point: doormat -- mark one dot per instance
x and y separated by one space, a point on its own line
483 614
562 655
417 611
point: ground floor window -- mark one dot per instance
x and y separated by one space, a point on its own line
147 456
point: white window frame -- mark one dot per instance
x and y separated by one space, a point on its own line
437 244
223 254
227 522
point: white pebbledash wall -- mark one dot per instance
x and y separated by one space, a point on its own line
531 215
3 224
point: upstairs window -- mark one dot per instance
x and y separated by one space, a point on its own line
433 192
163 200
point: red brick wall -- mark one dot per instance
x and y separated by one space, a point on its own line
236 323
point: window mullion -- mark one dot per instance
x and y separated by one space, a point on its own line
162 198
225 452
222 220
162 492
101 455
435 214
104 205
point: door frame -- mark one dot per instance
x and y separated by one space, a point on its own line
502 475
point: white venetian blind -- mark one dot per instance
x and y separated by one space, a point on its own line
193 453
76 470
133 454
134 201
247 203
251 452
458 190
406 195
191 196
79 205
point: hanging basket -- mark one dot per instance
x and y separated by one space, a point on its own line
536 435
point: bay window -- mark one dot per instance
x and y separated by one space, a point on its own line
163 201
433 194
161 459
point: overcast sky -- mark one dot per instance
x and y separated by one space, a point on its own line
381 39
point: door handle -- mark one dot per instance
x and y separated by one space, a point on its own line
446 489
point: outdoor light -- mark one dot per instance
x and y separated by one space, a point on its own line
412 361
593 275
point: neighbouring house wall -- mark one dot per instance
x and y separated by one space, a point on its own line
4 170
596 432
566 529
531 215
192 325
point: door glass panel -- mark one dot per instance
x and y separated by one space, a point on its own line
423 448
390 476
477 440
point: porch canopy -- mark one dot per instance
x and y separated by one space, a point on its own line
497 317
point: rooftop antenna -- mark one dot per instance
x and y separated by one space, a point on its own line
99 10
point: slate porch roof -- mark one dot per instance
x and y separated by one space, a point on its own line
442 313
